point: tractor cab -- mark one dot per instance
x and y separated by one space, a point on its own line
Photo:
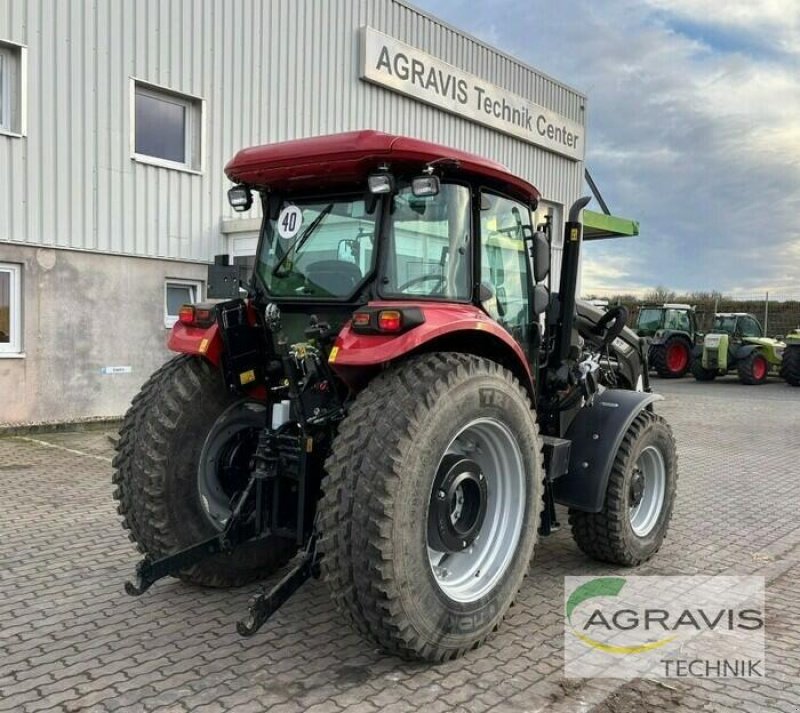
378 234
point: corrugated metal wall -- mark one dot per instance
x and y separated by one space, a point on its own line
268 70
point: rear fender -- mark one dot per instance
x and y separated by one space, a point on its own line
200 341
663 336
596 434
446 327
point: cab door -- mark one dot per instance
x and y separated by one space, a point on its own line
504 266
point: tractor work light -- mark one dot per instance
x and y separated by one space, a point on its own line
381 183
240 198
424 186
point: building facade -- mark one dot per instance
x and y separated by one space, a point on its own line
117 119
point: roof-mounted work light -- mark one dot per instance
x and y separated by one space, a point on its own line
381 183
240 198
423 186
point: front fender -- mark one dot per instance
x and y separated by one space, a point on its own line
596 434
745 350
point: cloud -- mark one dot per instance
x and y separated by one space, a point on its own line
693 127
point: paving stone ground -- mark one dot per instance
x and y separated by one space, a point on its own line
72 641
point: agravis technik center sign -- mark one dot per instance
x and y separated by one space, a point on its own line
410 71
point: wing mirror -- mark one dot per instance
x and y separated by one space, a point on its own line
541 299
540 252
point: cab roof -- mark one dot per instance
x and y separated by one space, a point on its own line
344 160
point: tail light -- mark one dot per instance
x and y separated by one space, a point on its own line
197 315
375 320
390 320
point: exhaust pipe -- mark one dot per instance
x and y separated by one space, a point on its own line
570 260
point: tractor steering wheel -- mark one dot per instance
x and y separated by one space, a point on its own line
611 324
425 278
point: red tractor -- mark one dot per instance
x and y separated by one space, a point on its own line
397 404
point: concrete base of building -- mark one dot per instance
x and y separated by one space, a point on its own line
83 313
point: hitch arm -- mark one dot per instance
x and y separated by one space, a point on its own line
266 604
149 571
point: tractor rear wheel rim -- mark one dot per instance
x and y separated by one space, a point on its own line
224 465
759 368
677 358
467 575
650 474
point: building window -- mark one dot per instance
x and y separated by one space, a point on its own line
12 89
177 293
10 310
167 127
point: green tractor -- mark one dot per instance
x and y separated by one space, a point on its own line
671 331
790 365
736 342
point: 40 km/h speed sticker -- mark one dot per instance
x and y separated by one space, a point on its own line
289 222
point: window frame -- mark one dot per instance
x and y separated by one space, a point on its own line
194 127
15 97
478 272
13 349
171 319
387 247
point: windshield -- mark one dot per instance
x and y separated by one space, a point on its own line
724 324
318 248
429 253
650 320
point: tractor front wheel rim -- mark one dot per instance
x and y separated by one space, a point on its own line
647 491
495 496
759 368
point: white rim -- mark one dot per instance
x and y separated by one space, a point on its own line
469 575
645 515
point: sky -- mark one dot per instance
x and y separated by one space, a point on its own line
694 130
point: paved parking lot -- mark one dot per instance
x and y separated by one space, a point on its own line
71 640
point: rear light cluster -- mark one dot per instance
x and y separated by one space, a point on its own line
197 315
374 320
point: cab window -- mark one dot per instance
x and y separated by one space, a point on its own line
429 244
677 320
504 264
748 327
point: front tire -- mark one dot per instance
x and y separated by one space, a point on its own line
790 366
639 499
700 373
182 455
389 476
753 369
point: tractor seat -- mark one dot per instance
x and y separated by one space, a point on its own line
334 276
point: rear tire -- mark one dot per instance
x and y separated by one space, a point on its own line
158 470
790 366
375 512
672 359
753 369
700 373
620 533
